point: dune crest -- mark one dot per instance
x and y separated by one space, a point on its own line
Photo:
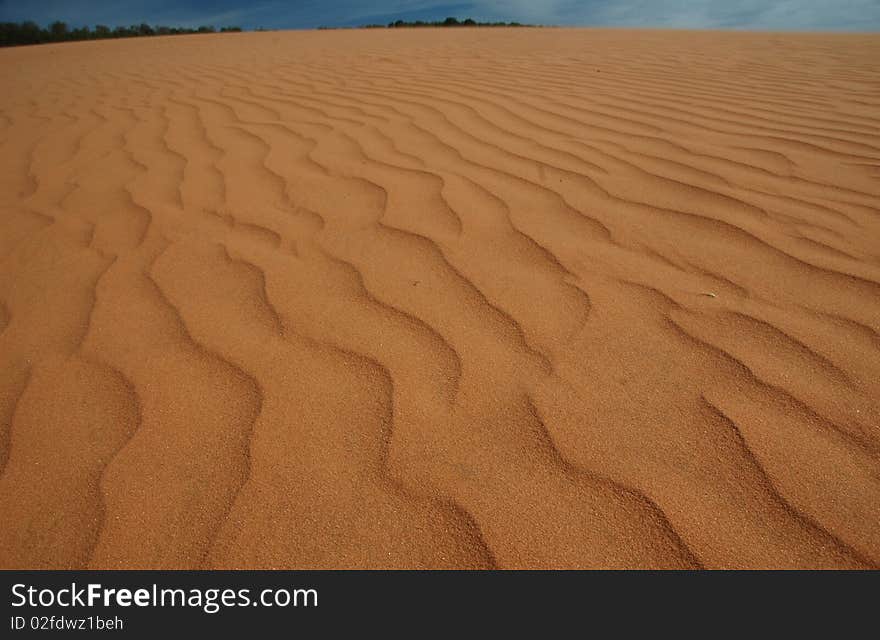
464 298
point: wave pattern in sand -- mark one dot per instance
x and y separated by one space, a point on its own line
471 298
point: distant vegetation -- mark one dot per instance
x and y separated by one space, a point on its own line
448 22
16 33
454 22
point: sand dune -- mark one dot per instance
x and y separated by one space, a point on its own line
441 298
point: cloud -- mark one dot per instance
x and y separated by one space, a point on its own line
863 15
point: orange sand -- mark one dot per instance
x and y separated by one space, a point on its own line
441 298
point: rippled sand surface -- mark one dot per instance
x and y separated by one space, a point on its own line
441 298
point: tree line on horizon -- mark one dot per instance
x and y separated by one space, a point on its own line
448 22
29 32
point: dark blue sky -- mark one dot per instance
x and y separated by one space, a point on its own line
859 15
